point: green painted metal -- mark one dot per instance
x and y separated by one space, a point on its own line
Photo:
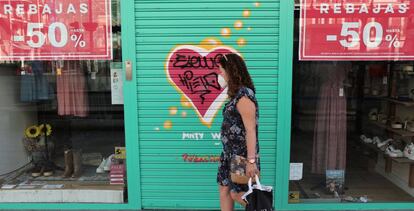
284 105
131 136
130 105
167 181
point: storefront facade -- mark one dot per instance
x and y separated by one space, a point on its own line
351 81
172 103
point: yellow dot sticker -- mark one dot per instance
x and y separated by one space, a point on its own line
173 110
168 124
185 103
210 43
246 13
238 25
241 42
184 114
225 32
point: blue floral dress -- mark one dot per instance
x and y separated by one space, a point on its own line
233 138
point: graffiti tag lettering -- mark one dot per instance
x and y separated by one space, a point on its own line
189 61
200 158
199 84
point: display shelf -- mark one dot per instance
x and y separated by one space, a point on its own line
389 163
401 102
399 132
392 165
403 160
396 101
408 73
392 100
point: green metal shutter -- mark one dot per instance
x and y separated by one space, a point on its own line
167 181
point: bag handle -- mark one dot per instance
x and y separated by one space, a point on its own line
249 184
258 184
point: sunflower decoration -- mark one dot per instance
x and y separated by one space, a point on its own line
33 135
48 129
32 131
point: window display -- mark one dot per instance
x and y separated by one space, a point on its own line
63 137
352 129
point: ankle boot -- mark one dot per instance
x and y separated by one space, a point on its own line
77 163
68 164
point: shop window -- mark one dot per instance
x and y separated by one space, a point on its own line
62 120
352 130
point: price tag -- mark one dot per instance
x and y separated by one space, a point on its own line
385 80
341 92
93 75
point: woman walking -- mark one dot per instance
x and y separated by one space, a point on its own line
239 130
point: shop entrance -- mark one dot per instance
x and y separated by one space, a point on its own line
62 117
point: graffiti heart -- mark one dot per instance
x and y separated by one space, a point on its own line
194 72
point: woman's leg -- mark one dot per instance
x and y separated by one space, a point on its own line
226 202
238 197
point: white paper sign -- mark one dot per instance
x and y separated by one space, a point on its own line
296 171
116 87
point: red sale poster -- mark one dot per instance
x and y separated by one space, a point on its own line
55 30
356 30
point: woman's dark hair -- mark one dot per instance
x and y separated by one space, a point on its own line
237 73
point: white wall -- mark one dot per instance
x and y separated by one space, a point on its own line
14 118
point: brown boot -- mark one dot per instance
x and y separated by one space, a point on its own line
68 164
77 163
